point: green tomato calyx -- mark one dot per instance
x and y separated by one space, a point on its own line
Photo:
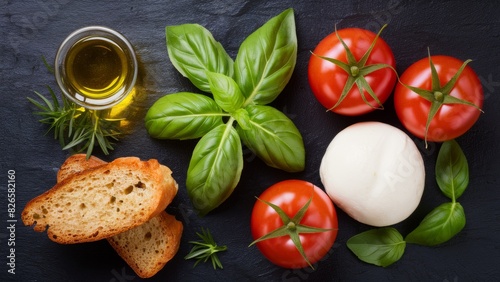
291 227
440 95
357 70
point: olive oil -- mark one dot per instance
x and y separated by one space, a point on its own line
96 68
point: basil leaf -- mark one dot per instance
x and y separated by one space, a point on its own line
226 92
193 51
439 226
273 137
215 168
266 59
381 246
243 118
452 170
182 115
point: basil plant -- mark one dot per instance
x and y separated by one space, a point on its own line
237 111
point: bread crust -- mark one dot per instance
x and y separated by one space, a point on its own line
44 212
77 163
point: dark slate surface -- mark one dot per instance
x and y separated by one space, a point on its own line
34 28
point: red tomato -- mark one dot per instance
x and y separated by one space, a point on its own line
327 79
291 196
451 120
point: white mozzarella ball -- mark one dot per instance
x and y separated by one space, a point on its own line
374 172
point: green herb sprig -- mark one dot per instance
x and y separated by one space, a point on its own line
237 114
446 220
206 249
385 246
77 129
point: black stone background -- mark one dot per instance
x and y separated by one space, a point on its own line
34 28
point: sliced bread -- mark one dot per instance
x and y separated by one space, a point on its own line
145 248
103 201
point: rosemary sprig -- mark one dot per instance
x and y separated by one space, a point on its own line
75 127
206 249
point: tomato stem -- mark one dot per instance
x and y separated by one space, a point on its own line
354 71
439 96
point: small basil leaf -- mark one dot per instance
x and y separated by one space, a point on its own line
193 51
215 168
274 138
243 118
381 246
439 226
266 59
182 115
452 170
226 92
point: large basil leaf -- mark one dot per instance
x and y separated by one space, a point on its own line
215 168
273 137
439 226
193 51
182 115
452 170
266 59
381 246
226 92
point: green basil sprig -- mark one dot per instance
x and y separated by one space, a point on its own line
238 114
445 221
385 246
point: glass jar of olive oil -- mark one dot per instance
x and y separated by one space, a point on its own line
96 67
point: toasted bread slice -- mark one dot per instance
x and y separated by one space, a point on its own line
103 201
145 248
